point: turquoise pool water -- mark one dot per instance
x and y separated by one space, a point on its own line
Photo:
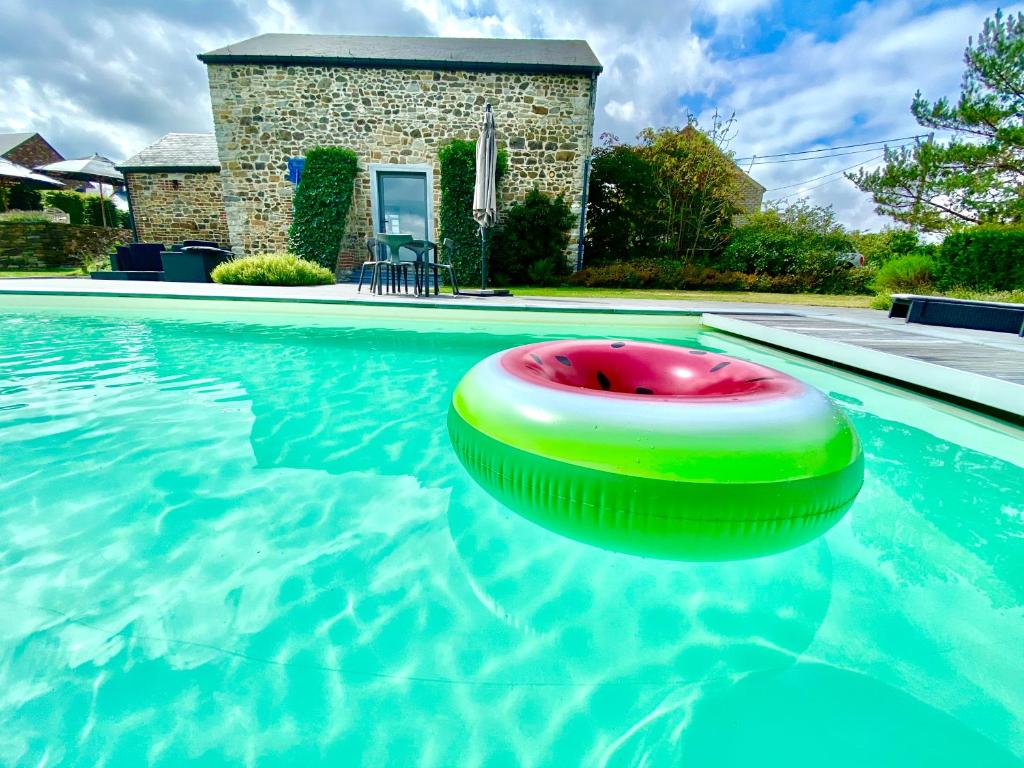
240 537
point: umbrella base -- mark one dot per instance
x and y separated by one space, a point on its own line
484 292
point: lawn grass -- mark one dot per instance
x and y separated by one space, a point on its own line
805 299
5 273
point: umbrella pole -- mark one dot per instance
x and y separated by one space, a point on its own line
483 258
103 208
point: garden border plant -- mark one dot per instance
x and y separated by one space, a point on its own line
272 269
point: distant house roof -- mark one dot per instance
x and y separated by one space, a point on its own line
9 141
482 54
187 152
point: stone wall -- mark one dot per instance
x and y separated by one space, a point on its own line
265 114
42 245
171 207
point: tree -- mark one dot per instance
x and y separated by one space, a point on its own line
978 175
697 184
624 220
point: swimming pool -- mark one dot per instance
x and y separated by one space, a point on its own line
237 534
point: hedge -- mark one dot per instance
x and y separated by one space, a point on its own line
321 204
670 275
987 258
457 159
69 201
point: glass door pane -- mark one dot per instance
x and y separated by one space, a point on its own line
402 203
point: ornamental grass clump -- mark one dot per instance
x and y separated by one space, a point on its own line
272 269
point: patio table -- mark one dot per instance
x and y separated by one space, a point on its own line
394 242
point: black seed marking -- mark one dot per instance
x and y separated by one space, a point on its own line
603 381
644 391
536 358
718 367
697 352
618 344
762 378
563 360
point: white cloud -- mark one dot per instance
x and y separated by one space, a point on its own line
111 78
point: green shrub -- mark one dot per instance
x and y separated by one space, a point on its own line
881 301
878 247
988 258
823 272
93 214
777 241
532 232
906 274
22 197
321 203
457 159
69 201
24 217
272 269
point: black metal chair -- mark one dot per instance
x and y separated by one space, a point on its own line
376 262
428 260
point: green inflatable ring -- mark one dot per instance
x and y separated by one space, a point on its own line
656 450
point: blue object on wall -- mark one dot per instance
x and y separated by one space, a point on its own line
295 166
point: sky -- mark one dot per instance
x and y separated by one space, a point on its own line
112 77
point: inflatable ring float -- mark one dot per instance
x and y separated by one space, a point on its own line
656 450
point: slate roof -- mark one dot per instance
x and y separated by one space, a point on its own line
9 141
480 54
192 152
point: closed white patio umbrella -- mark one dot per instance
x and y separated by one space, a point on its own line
485 195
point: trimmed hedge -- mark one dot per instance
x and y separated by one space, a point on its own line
272 269
457 159
671 276
69 201
321 204
987 258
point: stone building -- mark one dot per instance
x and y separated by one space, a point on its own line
175 190
28 149
394 101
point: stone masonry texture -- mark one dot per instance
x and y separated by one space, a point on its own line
171 207
33 152
41 245
265 114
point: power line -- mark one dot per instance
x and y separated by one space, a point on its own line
825 157
826 175
830 149
826 183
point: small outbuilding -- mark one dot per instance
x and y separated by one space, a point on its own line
395 101
175 190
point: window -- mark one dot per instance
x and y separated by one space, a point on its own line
295 166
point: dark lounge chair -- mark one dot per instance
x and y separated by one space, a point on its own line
959 313
193 261
135 261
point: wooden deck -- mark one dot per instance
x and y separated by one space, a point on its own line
980 367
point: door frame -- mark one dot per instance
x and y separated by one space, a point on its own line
425 168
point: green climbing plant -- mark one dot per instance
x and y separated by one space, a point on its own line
457 159
321 204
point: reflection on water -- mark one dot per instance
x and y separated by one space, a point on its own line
232 545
